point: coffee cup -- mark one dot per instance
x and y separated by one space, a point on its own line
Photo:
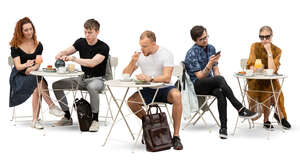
269 71
61 70
249 72
126 76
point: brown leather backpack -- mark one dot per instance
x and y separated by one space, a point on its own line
156 131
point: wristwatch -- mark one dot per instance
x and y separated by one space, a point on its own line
269 54
152 78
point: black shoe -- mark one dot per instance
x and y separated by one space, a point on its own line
285 124
223 133
268 125
247 114
177 143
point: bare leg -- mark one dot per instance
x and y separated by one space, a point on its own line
35 104
46 94
174 97
135 104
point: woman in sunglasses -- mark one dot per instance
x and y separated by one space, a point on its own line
269 54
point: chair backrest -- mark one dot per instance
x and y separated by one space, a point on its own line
10 62
177 71
112 63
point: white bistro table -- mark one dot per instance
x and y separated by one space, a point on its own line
244 90
43 74
128 85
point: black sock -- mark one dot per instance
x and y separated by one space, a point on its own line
95 116
67 114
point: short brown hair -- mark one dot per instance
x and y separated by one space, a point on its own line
197 32
149 34
92 24
267 28
18 34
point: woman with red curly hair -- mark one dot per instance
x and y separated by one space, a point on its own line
25 48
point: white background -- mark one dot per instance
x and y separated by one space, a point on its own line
232 25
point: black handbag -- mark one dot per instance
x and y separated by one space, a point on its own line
156 131
84 113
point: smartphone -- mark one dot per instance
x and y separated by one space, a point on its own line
219 52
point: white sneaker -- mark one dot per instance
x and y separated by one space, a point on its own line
37 125
64 122
94 126
54 110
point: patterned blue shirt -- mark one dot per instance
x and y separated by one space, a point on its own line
197 58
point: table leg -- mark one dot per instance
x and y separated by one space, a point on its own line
119 110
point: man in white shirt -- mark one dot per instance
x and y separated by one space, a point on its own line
156 64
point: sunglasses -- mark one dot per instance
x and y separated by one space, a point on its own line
267 37
204 38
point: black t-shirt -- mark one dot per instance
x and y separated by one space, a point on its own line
88 52
15 52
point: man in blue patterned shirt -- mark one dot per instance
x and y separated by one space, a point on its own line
202 66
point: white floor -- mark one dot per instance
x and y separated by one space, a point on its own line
200 143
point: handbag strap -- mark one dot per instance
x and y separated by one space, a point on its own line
149 113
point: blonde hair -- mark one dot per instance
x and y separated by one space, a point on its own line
267 28
149 34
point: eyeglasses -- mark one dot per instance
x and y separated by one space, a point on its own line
267 37
204 38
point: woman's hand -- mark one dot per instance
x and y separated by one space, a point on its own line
268 48
28 70
29 63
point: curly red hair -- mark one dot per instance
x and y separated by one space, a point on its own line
18 34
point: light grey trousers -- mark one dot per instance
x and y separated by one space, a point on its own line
92 85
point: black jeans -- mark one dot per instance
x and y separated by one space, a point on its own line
218 87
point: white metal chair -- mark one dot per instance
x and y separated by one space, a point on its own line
14 114
112 64
204 103
204 106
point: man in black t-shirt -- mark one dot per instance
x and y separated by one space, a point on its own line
93 58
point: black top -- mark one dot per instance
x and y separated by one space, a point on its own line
15 52
88 52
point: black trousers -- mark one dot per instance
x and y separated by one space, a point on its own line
218 87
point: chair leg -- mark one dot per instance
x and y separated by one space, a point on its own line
237 119
200 116
108 110
212 114
189 122
14 116
209 129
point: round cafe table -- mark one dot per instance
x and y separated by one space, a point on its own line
244 89
44 73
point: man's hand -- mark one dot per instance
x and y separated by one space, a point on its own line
143 77
59 56
69 58
135 56
214 59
